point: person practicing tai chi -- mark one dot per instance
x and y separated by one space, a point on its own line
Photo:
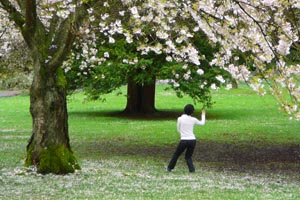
185 127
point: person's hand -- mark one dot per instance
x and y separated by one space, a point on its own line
203 112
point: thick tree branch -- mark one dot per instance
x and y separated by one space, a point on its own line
65 36
62 44
31 18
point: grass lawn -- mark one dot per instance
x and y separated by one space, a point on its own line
247 150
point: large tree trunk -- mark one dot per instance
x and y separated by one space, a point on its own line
140 97
49 147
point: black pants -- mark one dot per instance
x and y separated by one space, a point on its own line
189 146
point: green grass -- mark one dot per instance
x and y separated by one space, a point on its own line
248 149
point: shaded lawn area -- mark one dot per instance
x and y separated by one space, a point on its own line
207 153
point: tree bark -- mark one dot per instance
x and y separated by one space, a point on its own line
140 97
49 147
148 98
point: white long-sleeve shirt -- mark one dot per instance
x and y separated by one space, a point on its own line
185 126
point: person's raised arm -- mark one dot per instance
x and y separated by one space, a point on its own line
202 122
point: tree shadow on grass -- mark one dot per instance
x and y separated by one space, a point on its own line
209 154
222 114
253 155
250 155
159 115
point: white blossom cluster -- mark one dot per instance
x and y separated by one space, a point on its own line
263 31
60 8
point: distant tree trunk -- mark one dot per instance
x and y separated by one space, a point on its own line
49 147
140 97
234 84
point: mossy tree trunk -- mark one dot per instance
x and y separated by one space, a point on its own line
140 97
49 146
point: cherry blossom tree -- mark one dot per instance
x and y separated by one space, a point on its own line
255 39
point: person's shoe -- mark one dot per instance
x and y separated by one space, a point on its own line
168 169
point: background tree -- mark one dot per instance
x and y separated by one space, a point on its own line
126 66
118 62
